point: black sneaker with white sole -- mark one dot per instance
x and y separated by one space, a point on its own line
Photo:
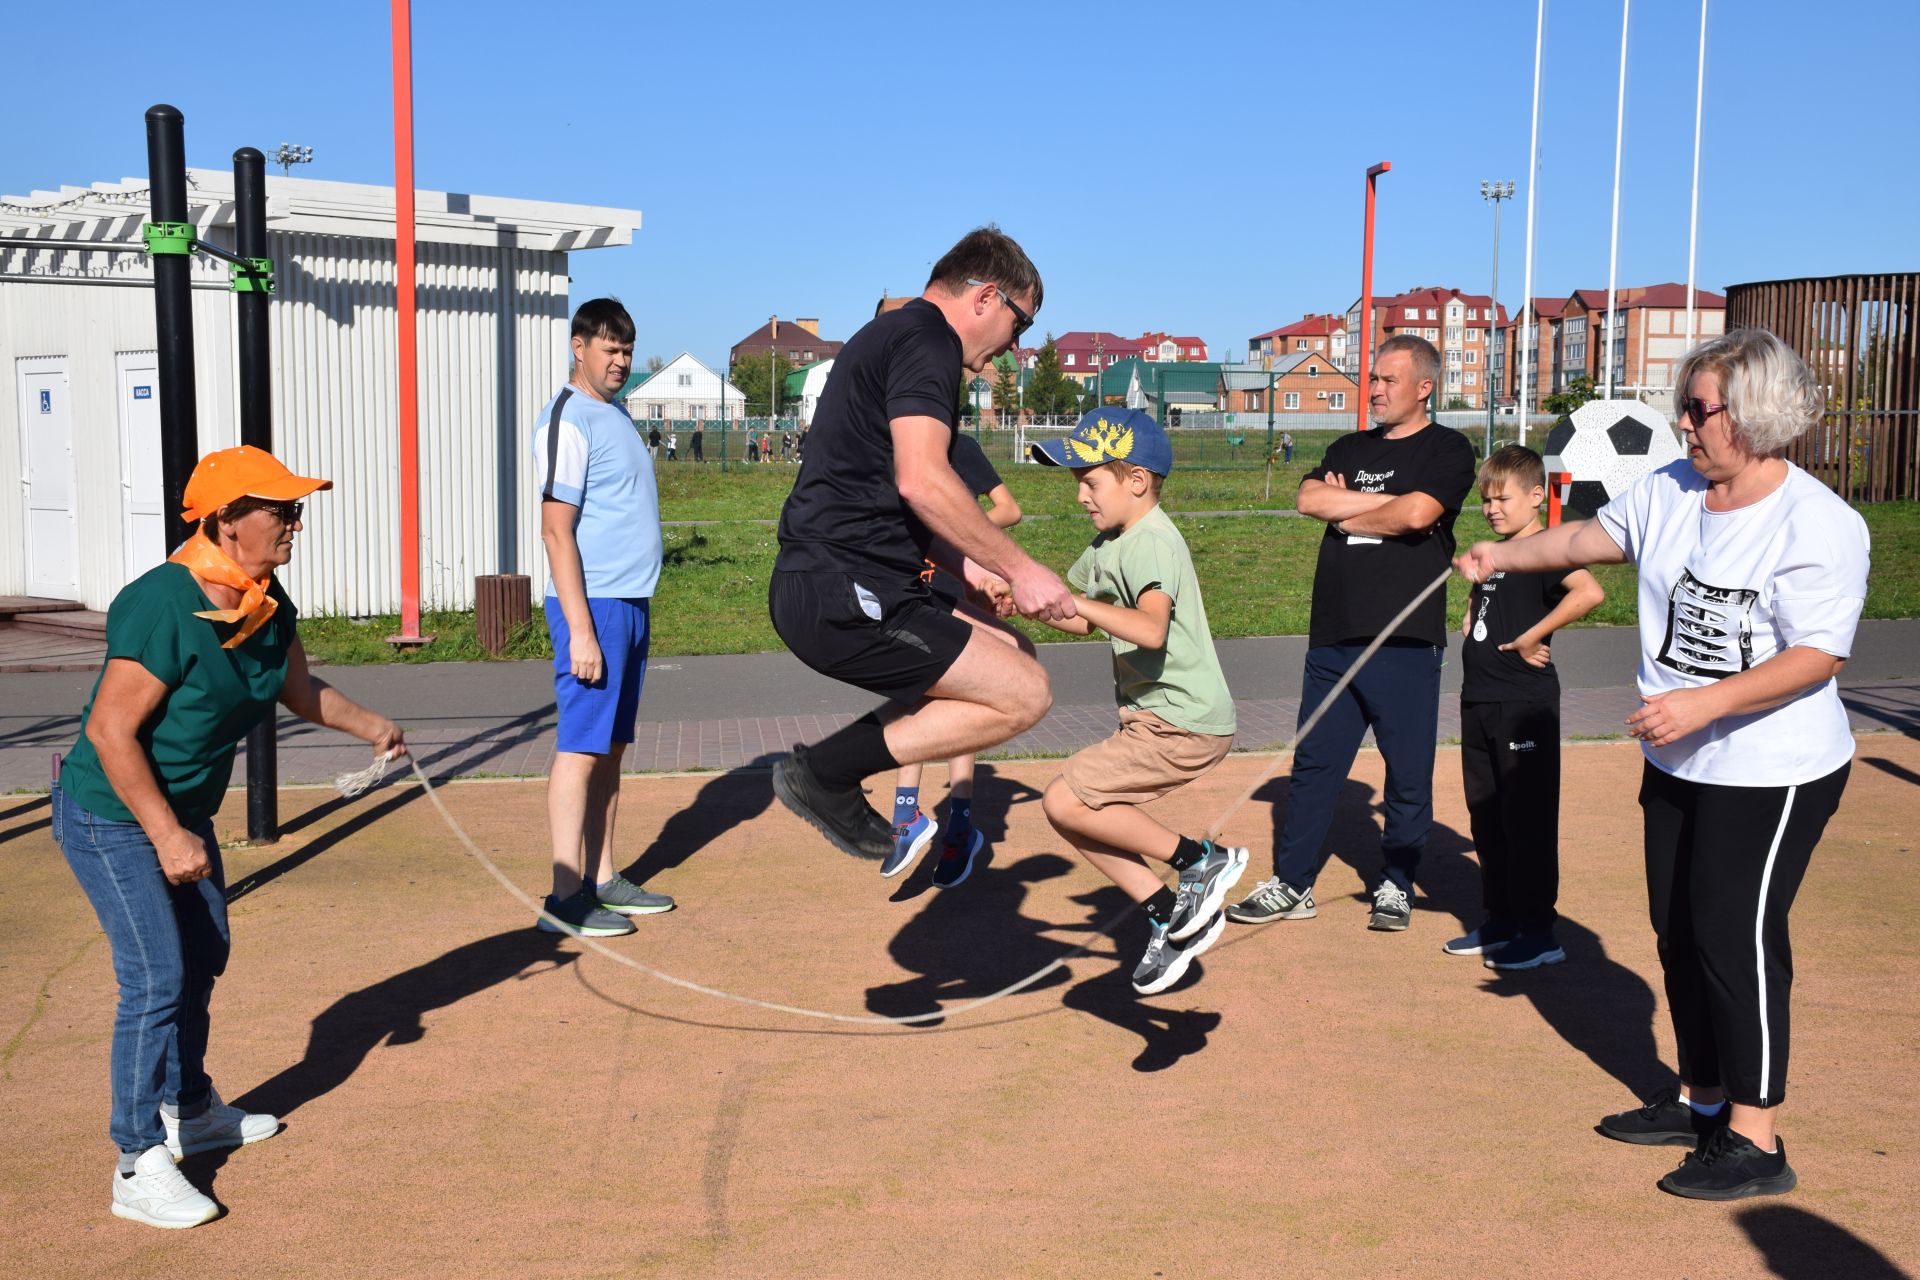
1531 949
956 864
844 817
1727 1166
1166 960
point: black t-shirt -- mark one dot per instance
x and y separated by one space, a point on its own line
1360 582
970 462
1498 611
844 514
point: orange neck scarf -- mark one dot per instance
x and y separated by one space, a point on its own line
209 563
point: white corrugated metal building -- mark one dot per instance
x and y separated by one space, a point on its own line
79 420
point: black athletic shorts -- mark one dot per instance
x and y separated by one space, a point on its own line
896 641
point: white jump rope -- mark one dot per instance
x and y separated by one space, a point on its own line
353 784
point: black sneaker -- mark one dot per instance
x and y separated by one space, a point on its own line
843 817
581 916
1729 1167
1533 948
1666 1121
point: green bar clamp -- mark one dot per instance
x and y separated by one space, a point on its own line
168 237
255 277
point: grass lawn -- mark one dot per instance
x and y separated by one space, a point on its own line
1257 572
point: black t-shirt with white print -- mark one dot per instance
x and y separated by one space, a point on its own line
845 514
1360 581
1500 610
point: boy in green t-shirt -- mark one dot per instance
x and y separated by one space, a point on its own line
1136 583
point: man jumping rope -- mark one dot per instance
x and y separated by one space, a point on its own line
875 498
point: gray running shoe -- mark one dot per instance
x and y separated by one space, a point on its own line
1274 899
1166 959
843 817
1391 910
581 916
1203 887
629 899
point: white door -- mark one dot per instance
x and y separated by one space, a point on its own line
46 446
143 519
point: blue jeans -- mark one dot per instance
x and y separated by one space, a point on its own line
169 944
1397 694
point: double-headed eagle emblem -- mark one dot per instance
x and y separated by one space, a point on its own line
1110 442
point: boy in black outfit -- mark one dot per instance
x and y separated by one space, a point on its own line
1510 726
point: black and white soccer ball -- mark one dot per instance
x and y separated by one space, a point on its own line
1607 445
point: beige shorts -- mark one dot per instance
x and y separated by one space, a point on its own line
1144 761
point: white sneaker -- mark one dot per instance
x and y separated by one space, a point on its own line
218 1126
159 1195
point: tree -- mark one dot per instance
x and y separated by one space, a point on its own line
1579 391
753 375
656 363
1006 385
1050 392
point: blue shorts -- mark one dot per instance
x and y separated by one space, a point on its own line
595 716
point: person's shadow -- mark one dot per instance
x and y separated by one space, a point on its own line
1800 1245
974 940
391 1010
739 795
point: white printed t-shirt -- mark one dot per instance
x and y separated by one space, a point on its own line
1722 592
599 463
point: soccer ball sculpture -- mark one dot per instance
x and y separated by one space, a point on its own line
1607 445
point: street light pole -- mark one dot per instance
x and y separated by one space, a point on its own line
1366 294
1496 192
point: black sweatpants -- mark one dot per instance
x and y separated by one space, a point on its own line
1510 763
1723 866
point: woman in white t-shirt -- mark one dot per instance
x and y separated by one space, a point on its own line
1752 578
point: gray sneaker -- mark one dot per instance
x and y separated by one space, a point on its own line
1203 887
1166 959
1274 899
629 899
1391 910
581 916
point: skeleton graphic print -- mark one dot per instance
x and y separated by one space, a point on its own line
1709 629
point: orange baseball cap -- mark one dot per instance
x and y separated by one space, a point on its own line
243 472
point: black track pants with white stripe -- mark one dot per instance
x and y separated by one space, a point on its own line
1723 866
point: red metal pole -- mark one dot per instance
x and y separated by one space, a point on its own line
1556 485
406 332
1366 296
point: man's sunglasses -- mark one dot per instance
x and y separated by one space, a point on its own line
1697 409
1021 320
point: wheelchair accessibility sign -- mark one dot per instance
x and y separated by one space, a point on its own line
46 400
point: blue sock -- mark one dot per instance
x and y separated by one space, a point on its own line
906 803
959 822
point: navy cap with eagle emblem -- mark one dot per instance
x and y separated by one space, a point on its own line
1109 435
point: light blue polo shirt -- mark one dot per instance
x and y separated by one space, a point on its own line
598 463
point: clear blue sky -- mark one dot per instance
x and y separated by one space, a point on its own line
1194 167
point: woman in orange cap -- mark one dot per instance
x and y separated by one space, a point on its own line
198 652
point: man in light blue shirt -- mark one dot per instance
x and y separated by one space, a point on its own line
600 521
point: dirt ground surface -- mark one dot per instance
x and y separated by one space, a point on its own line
466 1096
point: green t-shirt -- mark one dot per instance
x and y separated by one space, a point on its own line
214 695
1181 683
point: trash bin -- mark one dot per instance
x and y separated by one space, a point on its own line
502 603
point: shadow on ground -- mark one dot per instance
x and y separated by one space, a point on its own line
1799 1245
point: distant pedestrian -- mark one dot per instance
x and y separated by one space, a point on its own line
753 447
786 446
673 445
653 443
1286 446
699 444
